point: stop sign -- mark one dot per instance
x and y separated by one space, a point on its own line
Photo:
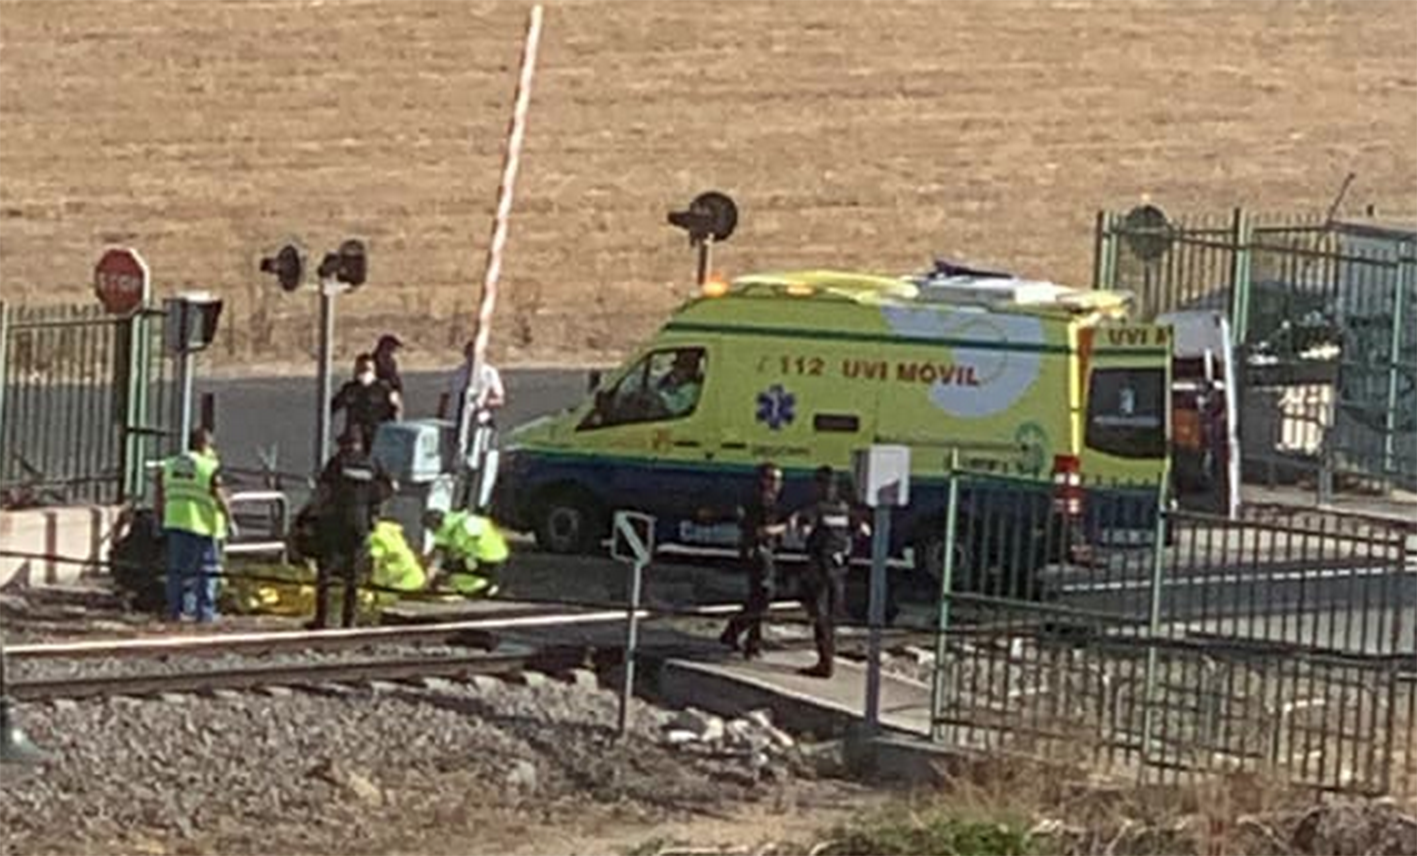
120 279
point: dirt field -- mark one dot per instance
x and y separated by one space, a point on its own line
853 134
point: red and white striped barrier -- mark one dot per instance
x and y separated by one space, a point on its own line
516 133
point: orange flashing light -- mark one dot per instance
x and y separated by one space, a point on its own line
715 287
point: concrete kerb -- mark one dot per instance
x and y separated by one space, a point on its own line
79 535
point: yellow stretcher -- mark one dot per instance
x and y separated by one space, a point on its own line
395 571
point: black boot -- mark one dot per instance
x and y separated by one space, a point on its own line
753 645
730 634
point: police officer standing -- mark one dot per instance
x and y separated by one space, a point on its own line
351 489
762 527
368 402
830 532
194 512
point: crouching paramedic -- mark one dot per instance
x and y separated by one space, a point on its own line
468 549
830 532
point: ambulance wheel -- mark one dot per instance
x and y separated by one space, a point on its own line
569 522
930 563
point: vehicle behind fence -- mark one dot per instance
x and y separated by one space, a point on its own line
84 400
1324 317
1279 641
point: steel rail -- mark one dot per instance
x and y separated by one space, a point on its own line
291 674
224 643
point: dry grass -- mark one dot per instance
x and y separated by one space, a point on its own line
854 134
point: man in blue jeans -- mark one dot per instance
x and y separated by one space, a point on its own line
194 512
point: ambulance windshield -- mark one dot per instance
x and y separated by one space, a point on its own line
664 385
1126 413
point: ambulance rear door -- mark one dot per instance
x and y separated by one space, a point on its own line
1126 404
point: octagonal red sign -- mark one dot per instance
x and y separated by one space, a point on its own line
120 280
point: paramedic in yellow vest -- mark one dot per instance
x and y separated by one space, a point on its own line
194 512
469 549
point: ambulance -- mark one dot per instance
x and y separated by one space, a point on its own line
1042 384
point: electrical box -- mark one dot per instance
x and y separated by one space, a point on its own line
413 452
191 322
883 475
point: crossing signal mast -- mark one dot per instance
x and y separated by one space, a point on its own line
344 269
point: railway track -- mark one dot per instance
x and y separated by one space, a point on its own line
495 658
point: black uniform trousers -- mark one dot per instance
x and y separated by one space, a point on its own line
823 596
343 554
747 624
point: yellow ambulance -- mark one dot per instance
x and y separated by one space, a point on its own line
1032 381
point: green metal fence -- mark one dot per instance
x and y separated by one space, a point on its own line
1324 318
84 400
1171 644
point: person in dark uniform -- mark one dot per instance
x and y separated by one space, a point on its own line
760 521
351 489
367 401
386 363
830 532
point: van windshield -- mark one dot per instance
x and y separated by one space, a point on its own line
1126 413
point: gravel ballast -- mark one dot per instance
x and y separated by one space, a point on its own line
358 771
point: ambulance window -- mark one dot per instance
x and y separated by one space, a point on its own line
1126 413
664 385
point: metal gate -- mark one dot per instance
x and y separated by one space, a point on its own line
85 399
1324 317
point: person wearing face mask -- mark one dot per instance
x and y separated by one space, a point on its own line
367 401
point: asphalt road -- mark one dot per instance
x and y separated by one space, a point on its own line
1344 607
279 413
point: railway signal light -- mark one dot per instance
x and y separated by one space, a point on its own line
710 218
288 266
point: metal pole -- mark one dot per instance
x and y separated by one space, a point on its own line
185 364
1404 282
1158 566
632 637
880 547
323 381
705 259
4 368
939 687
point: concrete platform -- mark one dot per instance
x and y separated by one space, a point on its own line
48 546
729 687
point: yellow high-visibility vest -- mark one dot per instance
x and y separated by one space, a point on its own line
188 503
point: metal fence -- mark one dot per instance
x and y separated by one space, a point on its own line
1174 644
84 399
1324 316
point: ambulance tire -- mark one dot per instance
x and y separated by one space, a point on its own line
979 564
570 521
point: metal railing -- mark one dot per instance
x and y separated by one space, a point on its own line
1172 644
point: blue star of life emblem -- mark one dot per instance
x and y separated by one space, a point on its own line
776 407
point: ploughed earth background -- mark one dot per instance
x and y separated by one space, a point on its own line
853 135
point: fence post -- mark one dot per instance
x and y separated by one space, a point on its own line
1104 253
136 430
4 380
1158 565
1241 235
1405 280
944 674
